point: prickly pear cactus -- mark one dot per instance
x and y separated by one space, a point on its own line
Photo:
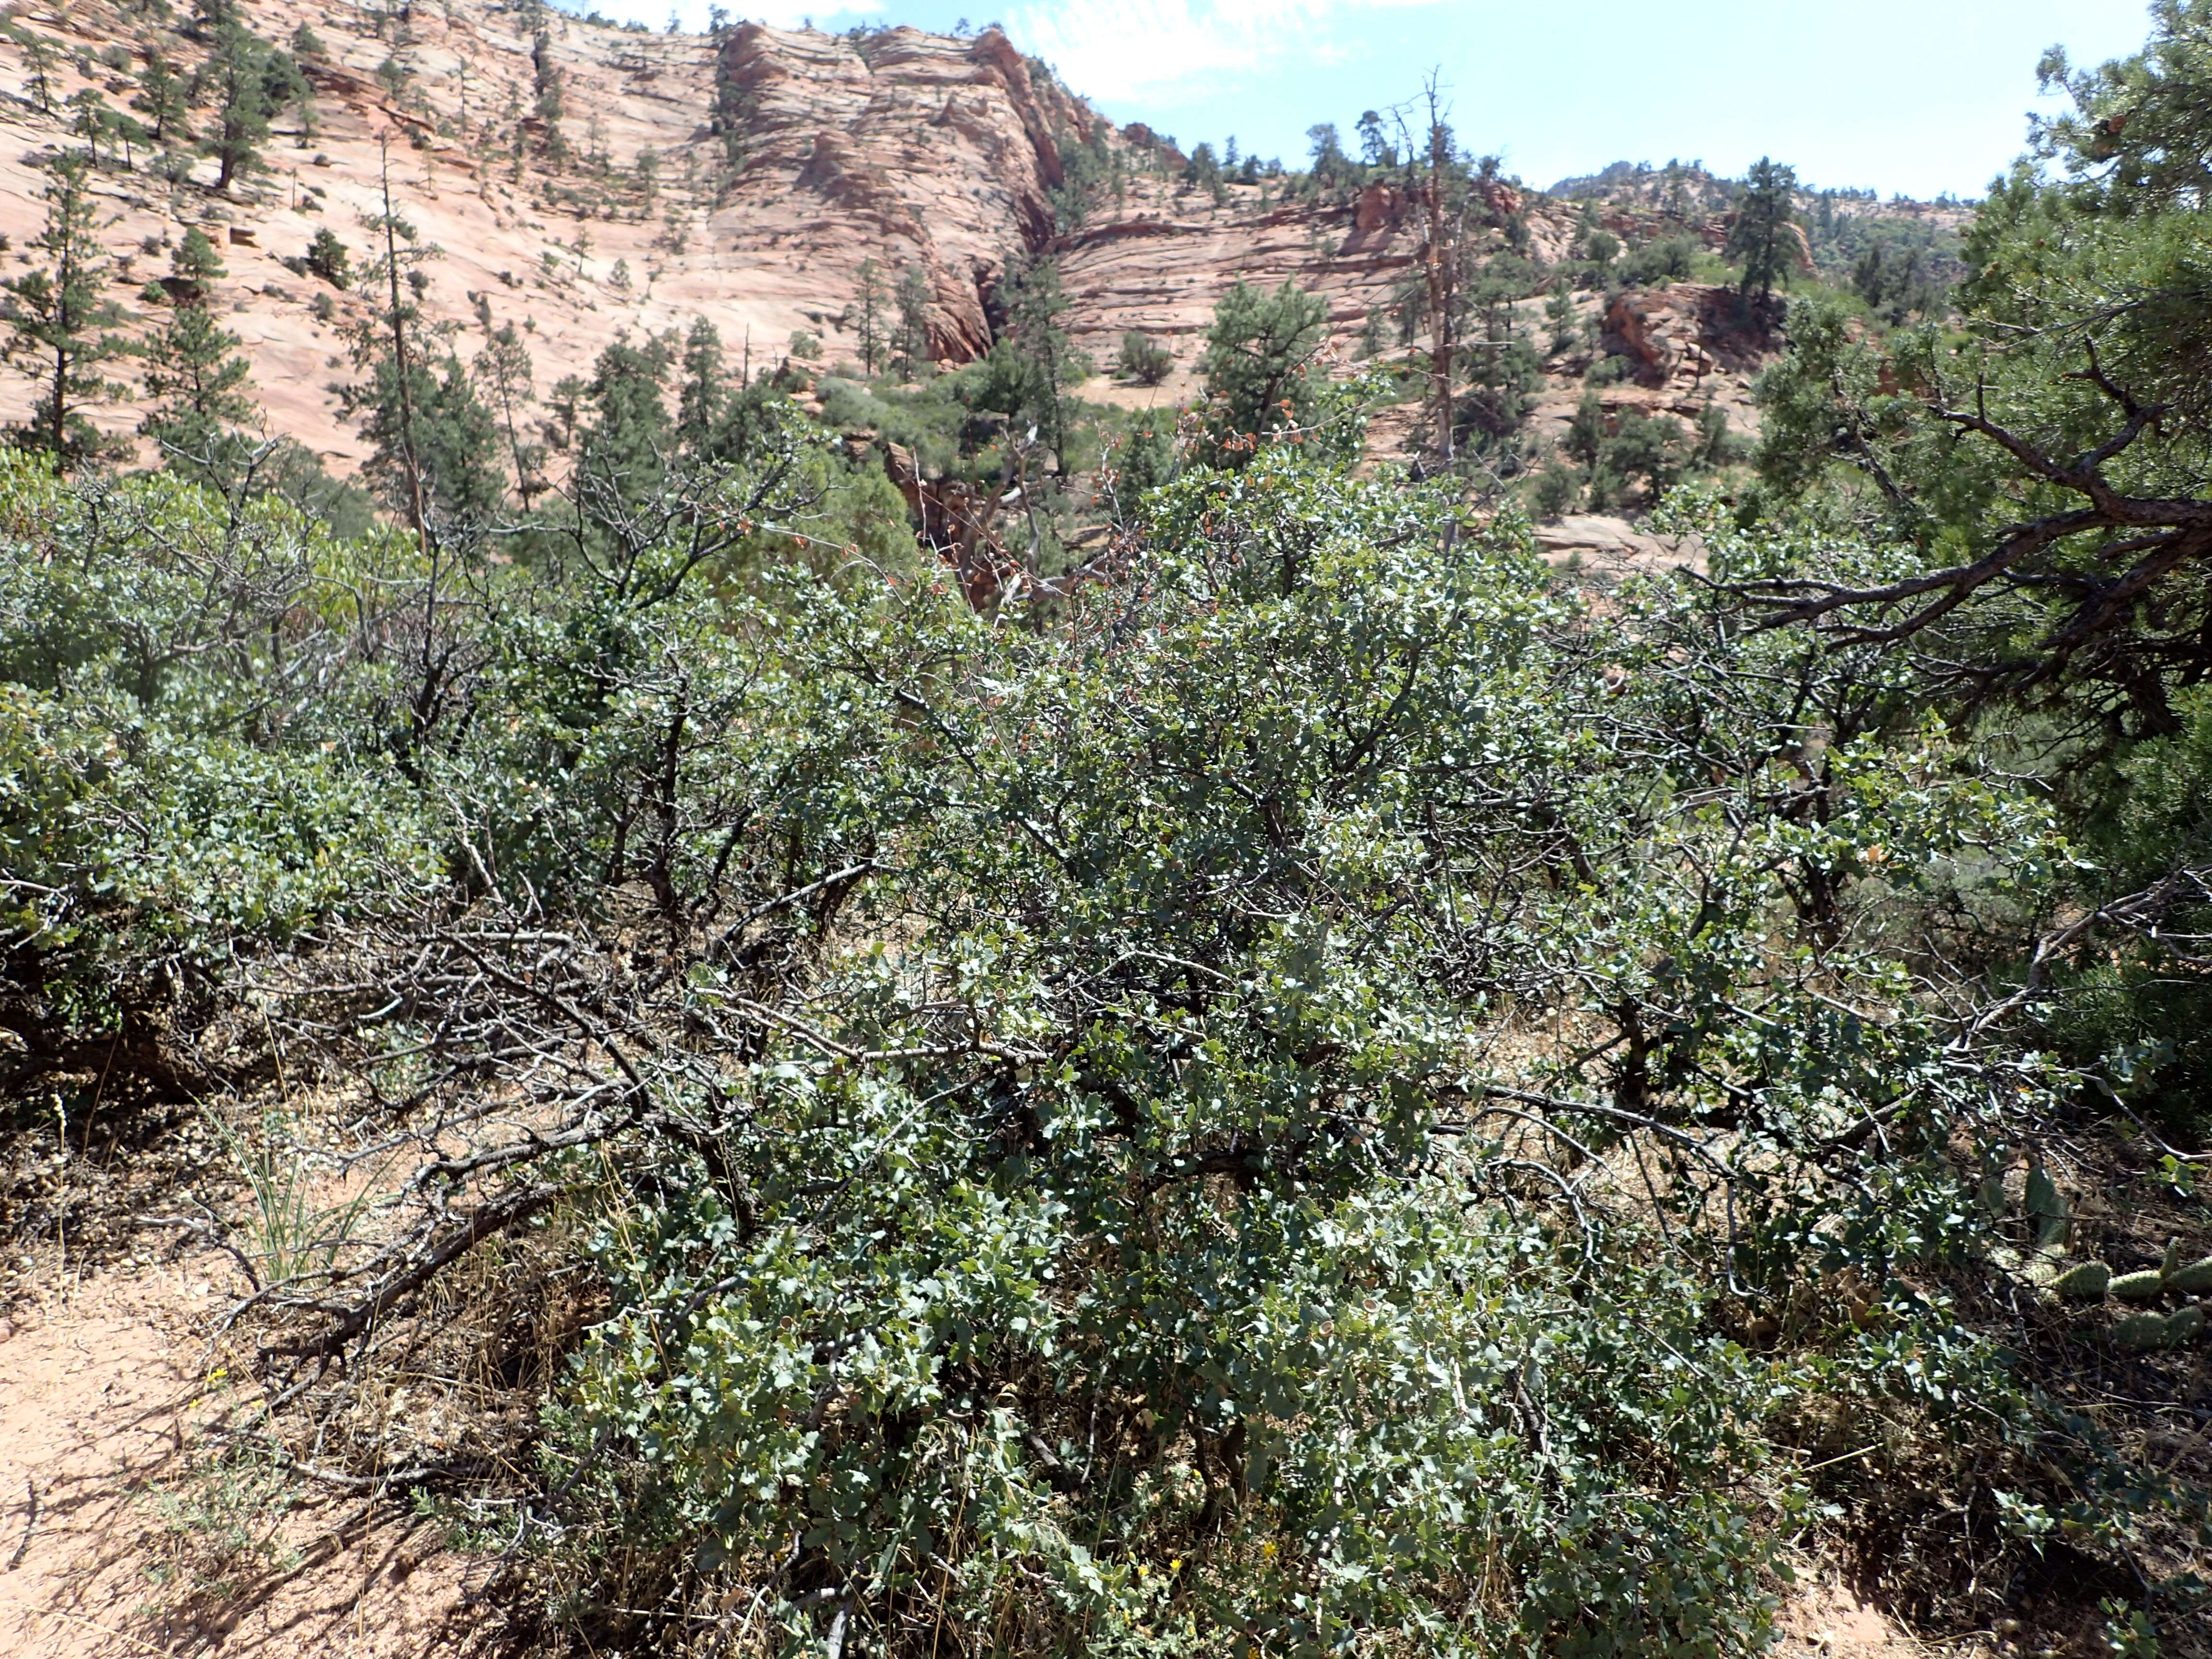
2046 1209
2143 1286
2085 1283
2192 1278
2184 1327
2139 1333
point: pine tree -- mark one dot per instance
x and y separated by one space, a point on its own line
196 377
565 410
869 307
88 113
194 268
701 396
237 72
1258 361
61 323
285 86
1052 367
1374 149
162 99
503 369
434 443
39 58
627 451
547 85
1760 236
910 348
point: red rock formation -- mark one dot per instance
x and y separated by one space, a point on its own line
1679 335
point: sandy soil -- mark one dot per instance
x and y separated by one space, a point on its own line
112 1518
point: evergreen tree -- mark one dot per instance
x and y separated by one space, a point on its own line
194 268
39 58
1374 149
163 99
627 449
1585 438
1259 364
433 445
210 18
564 406
870 307
197 378
1561 316
237 72
1760 235
1143 359
503 369
547 83
1331 165
1203 172
1050 366
328 258
911 346
1504 372
285 86
61 323
701 397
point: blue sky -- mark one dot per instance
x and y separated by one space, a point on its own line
1920 96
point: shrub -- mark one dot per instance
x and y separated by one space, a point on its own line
1143 359
327 258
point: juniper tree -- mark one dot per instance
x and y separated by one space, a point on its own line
62 325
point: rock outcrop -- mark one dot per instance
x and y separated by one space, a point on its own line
1678 336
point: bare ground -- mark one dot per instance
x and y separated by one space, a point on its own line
123 1532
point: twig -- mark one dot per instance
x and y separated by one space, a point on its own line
30 1525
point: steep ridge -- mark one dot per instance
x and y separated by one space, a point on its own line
893 146
750 177
899 147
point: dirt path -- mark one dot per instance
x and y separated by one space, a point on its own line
121 1535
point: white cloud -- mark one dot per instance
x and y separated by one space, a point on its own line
1130 48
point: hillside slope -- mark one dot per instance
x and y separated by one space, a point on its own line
896 147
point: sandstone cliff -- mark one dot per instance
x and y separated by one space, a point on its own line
636 215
